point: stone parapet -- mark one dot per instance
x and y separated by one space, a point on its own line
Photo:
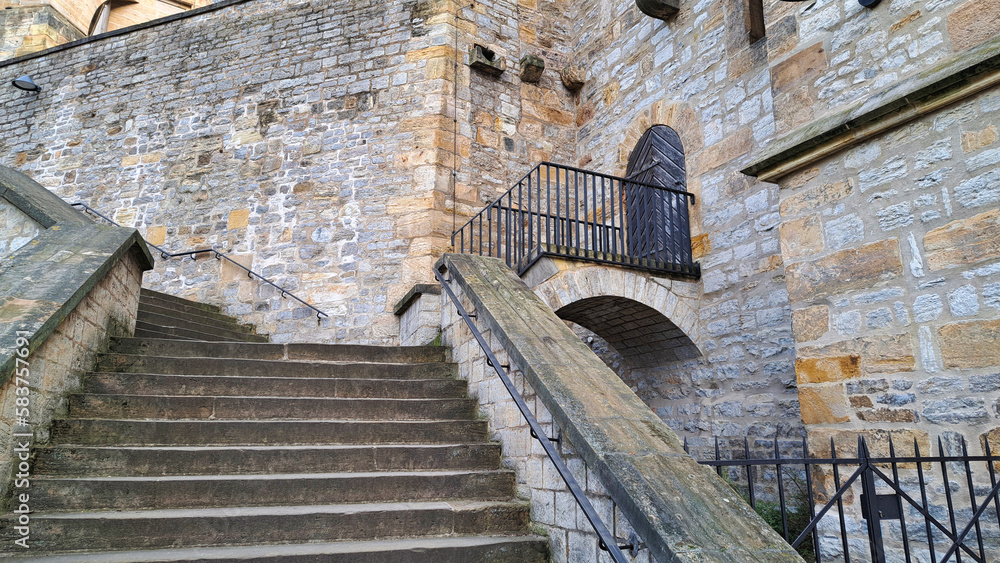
61 296
632 465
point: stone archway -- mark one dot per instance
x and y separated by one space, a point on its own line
650 320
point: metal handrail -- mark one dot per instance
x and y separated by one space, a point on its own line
565 211
607 541
218 255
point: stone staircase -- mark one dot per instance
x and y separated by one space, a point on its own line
198 441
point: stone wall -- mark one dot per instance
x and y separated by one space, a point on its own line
324 163
58 363
16 228
893 270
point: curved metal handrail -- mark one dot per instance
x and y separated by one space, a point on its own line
218 256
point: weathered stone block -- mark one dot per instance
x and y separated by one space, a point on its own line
799 66
238 219
573 77
532 67
810 323
843 271
966 241
823 404
973 23
970 344
801 237
826 369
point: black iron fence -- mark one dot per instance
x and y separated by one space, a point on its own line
892 507
563 211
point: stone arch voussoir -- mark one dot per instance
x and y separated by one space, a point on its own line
650 320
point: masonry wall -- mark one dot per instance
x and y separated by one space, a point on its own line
895 277
56 367
729 100
29 29
326 163
16 228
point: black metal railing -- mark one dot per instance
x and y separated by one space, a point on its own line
901 501
218 256
573 213
606 540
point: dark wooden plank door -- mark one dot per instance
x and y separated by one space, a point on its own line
658 223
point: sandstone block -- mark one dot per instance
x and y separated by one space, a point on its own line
799 66
816 197
992 438
573 77
974 22
821 405
801 237
966 241
975 140
156 235
827 369
238 219
971 344
843 271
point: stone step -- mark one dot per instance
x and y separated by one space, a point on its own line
260 386
455 549
233 332
147 330
201 317
205 491
186 307
151 529
267 351
177 301
267 408
165 365
70 461
150 332
103 432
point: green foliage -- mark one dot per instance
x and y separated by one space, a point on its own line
797 512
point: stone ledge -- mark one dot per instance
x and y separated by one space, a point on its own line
951 81
680 509
415 292
43 282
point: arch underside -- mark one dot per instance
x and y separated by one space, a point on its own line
642 335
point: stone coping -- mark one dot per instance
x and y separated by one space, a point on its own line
682 510
43 281
125 30
952 80
413 294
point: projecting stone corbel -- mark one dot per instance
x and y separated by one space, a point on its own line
485 60
659 9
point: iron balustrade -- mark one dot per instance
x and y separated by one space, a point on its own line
606 539
563 211
218 256
907 501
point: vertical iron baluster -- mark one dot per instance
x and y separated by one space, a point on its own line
560 217
923 501
520 221
718 468
902 516
507 214
461 240
781 490
812 502
972 498
947 496
621 220
613 243
686 260
604 220
874 521
746 455
593 223
993 478
538 204
549 238
840 503
530 246
480 234
576 211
